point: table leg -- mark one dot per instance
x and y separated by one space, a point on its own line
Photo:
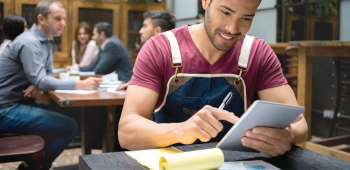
108 140
84 146
304 87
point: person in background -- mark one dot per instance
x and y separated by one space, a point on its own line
154 23
112 55
85 50
26 71
13 26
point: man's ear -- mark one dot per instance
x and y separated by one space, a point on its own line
157 30
40 18
205 4
103 35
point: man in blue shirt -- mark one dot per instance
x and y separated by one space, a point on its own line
25 72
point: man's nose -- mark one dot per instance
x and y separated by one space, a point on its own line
233 27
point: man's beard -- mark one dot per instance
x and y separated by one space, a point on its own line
221 47
149 37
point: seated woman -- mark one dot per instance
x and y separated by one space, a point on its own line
84 51
13 26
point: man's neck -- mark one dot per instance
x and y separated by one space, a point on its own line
202 41
42 29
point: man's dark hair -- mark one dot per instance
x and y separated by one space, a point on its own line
161 18
13 26
213 0
104 27
43 8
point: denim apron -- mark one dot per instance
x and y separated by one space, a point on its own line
188 93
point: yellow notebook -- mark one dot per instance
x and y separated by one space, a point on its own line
173 159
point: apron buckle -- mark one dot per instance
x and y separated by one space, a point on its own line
177 80
240 72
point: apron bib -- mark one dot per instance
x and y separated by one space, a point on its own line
188 93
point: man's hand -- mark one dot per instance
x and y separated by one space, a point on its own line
32 92
67 69
203 125
272 142
90 83
123 86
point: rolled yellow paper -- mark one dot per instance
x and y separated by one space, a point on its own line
200 159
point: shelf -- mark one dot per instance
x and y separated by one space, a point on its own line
133 32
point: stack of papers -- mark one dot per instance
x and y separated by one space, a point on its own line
76 91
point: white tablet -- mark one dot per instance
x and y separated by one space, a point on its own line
260 114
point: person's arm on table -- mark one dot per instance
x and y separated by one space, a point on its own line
35 70
137 132
274 142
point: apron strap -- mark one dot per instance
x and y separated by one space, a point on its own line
175 50
245 52
244 56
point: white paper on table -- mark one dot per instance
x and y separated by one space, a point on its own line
232 166
58 70
111 79
108 86
87 73
113 90
76 91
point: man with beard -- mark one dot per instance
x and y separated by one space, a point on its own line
186 73
154 23
25 72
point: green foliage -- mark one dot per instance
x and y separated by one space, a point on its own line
324 9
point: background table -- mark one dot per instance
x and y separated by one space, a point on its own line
111 100
308 50
297 158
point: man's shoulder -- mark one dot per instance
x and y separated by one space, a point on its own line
26 38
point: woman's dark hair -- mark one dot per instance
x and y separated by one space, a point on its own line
79 48
13 26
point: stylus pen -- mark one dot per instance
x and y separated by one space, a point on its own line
226 100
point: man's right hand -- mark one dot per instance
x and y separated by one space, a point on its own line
67 69
90 83
203 125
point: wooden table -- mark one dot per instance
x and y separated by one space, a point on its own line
308 50
278 48
297 158
110 100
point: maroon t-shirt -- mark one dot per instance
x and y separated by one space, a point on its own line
153 67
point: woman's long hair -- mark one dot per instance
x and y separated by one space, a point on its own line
80 50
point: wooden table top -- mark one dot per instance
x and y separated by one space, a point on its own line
82 100
320 43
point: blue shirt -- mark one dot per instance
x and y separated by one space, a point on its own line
27 60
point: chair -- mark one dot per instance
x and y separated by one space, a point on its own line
22 148
290 60
340 67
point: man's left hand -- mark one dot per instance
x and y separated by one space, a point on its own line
272 142
32 92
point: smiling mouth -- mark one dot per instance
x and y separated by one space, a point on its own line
226 37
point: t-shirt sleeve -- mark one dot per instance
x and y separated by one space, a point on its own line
271 74
148 70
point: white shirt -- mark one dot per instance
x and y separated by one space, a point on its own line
4 44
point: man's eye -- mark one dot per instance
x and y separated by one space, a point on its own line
224 12
246 19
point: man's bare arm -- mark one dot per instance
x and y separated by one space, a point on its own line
137 132
284 94
274 142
